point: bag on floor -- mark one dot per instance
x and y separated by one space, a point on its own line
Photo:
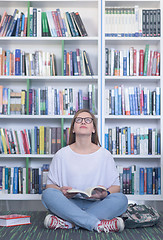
140 216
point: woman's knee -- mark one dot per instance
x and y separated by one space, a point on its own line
120 198
50 193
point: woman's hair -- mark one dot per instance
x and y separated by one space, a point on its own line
95 138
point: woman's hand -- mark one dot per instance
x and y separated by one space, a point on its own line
65 193
99 194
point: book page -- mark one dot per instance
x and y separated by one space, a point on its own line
89 191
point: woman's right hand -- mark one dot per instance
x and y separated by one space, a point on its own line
65 193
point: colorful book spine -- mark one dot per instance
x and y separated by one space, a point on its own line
17 62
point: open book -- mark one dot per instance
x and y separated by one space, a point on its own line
89 191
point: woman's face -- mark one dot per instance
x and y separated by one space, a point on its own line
83 124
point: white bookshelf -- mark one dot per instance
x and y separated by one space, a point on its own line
50 38
39 156
18 197
90 11
108 82
94 21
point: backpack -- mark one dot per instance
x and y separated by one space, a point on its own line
140 216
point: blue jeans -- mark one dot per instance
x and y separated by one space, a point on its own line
84 213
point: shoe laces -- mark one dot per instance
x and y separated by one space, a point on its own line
57 223
108 226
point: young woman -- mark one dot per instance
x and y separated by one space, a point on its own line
80 165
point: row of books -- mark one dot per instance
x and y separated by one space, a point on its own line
132 22
42 24
77 63
132 62
41 63
122 100
21 63
13 180
140 180
38 140
47 101
133 141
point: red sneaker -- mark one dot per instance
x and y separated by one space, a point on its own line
113 225
54 222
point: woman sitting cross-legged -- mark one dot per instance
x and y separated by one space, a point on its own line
80 165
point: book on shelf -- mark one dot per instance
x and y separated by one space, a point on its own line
132 22
41 63
138 101
17 62
80 24
49 101
132 140
42 23
138 180
13 180
45 27
38 140
51 24
89 191
61 22
89 70
77 63
132 62
14 220
34 22
21 63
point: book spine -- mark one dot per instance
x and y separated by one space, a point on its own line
34 22
84 32
22 25
149 180
70 24
141 62
141 182
39 26
17 62
61 22
158 22
78 60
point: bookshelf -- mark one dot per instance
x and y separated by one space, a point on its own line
109 82
93 16
91 44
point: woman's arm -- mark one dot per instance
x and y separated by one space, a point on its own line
53 186
114 189
62 189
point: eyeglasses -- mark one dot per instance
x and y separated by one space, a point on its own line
87 120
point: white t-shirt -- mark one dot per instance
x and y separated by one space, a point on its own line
82 171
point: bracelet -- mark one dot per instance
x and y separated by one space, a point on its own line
108 192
